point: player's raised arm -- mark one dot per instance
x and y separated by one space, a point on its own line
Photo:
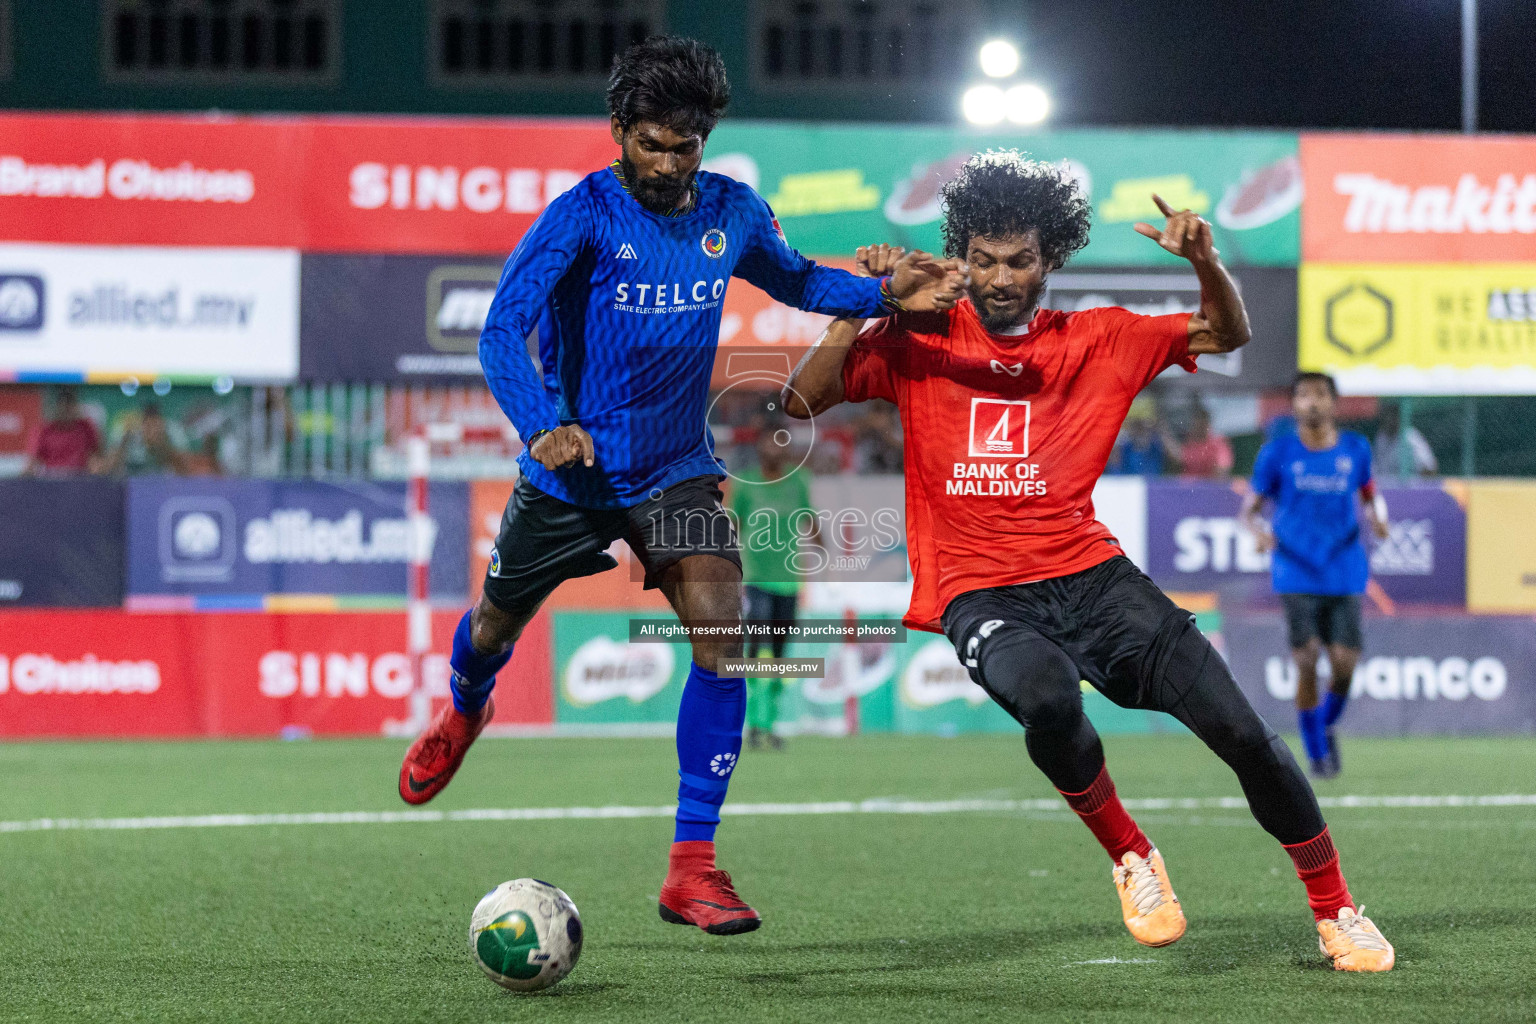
1222 323
816 385
538 262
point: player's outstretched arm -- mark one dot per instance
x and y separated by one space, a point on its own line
921 283
816 385
1222 323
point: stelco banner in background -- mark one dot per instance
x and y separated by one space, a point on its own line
62 543
230 674
1419 198
235 540
1448 674
112 313
1195 542
1405 329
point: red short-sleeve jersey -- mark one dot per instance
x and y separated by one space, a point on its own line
1006 436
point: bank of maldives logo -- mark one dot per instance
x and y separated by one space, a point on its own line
713 243
999 429
21 302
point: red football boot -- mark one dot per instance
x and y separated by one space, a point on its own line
438 752
696 892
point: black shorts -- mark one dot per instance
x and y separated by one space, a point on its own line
1331 618
1111 620
764 608
545 541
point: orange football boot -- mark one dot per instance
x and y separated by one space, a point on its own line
1354 943
1147 902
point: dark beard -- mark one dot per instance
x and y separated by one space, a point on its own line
657 195
1001 320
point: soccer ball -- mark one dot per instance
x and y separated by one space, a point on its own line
525 934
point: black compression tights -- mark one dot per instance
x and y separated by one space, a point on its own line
1038 684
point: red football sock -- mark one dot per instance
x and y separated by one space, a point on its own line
1317 865
1107 819
690 858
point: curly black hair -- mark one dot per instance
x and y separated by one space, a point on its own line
1002 192
672 81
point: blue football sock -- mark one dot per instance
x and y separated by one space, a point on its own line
1312 740
708 744
1332 708
473 673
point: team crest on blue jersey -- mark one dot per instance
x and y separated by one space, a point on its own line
713 243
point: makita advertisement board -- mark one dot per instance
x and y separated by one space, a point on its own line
1195 542
236 540
1399 198
1442 674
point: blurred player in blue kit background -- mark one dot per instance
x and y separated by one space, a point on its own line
1318 478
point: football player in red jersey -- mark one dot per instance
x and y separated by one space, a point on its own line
1010 412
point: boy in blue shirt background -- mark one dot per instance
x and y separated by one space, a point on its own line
1319 563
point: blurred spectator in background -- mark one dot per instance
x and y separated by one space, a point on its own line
66 444
146 442
1400 452
1204 454
1144 446
214 446
878 440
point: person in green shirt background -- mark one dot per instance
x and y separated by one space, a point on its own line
772 506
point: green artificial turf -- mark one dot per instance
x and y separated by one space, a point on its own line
868 917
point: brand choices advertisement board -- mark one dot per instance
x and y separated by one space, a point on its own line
422 185
1445 674
231 674
228 542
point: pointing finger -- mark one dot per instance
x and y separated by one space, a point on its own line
1143 228
1167 210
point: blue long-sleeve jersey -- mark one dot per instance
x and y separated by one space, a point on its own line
627 305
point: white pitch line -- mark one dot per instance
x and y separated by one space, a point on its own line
876 806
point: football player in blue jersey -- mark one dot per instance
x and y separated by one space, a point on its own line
1316 478
624 277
